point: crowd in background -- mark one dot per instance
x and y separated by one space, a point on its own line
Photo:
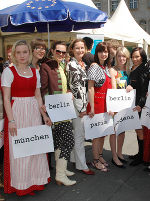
30 74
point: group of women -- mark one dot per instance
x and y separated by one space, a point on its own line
33 76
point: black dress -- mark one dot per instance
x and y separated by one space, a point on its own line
139 79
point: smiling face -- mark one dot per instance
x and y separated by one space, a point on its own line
102 56
79 50
59 53
39 52
22 54
136 58
121 59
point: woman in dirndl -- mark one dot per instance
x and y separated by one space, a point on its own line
22 102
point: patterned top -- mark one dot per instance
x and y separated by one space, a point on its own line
77 81
97 74
122 80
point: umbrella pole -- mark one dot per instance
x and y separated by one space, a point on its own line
48 36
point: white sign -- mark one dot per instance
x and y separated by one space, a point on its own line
60 107
98 126
147 104
145 117
32 141
119 99
126 120
2 136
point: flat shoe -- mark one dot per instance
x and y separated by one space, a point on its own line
122 160
119 166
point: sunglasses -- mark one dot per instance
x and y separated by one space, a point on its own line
60 52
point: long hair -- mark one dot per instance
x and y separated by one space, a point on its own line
142 54
101 47
126 53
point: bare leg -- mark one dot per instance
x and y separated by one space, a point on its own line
95 148
112 140
101 139
139 133
96 143
120 141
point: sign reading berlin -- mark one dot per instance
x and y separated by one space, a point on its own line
119 99
60 107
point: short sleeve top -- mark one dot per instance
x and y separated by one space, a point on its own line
8 77
97 74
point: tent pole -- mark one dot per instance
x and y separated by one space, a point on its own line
122 42
48 35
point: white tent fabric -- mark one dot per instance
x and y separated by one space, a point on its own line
122 26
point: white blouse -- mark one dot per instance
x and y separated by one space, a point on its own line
8 77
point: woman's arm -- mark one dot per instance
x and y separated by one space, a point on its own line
40 103
44 80
7 105
91 96
113 79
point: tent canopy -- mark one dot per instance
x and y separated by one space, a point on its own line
122 26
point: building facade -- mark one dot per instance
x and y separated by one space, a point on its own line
140 10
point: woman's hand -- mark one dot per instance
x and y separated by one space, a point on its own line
111 113
81 114
129 88
1 134
47 120
137 108
12 128
91 113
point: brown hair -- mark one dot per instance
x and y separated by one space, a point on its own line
113 43
71 46
37 42
101 47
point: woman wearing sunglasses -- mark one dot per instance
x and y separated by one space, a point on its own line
53 81
77 79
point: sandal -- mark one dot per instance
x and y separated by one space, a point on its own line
99 166
102 160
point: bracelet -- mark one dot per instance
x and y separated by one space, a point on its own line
12 121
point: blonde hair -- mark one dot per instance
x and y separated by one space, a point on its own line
18 43
126 53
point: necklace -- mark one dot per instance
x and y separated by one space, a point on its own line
24 71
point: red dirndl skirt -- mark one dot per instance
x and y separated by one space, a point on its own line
146 153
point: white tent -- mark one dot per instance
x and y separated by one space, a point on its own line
122 26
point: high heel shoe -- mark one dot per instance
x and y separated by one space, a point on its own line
119 166
88 172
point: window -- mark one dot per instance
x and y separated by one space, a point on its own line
114 4
133 4
98 5
148 3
